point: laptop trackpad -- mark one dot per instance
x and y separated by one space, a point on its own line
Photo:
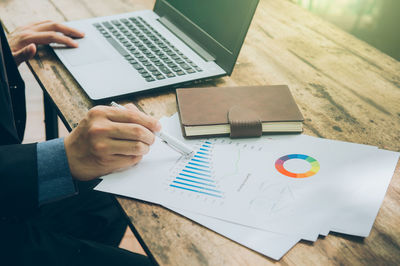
87 53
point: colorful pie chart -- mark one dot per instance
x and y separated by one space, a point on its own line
281 169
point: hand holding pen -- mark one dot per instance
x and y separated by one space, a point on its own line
108 139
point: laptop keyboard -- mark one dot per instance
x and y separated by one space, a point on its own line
153 56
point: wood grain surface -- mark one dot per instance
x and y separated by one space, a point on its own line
346 89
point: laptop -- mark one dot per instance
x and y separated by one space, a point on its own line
177 43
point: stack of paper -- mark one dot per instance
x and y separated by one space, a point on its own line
267 193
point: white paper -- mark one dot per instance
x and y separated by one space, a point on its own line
358 215
346 175
237 190
140 182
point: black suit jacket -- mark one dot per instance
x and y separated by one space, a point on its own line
18 164
49 236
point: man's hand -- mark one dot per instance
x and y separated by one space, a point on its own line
108 139
24 39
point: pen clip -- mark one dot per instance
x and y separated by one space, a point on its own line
175 148
175 144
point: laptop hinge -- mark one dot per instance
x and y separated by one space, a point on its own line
186 39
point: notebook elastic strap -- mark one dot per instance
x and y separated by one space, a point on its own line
244 123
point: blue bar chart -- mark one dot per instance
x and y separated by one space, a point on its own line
196 176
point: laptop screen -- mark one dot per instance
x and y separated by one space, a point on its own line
218 26
221 19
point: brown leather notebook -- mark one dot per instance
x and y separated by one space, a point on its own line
238 111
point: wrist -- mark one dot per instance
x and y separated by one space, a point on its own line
75 160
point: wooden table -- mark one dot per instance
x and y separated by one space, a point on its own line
346 89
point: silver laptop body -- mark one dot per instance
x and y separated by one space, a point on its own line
144 50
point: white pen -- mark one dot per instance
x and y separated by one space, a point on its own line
177 145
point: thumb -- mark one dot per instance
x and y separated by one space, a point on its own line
24 54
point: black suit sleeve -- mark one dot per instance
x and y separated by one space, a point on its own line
18 162
18 180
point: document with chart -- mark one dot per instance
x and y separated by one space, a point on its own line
265 186
290 186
